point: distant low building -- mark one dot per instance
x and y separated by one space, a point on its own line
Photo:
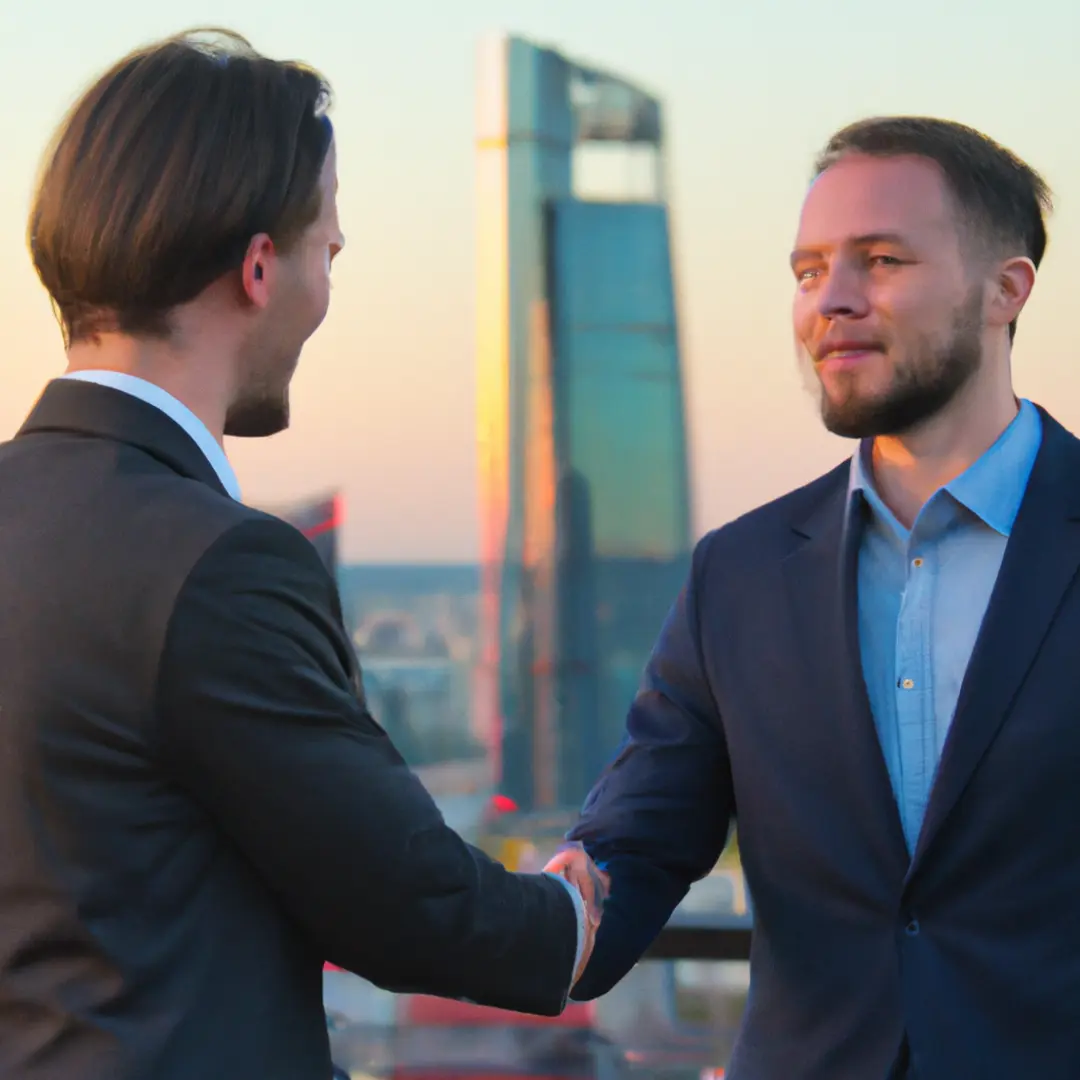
417 682
319 518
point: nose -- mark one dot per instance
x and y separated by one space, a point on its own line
842 294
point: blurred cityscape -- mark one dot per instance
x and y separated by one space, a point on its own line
416 630
505 684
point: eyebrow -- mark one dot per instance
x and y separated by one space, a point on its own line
865 240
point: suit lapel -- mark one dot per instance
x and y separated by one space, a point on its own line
68 405
822 581
1041 561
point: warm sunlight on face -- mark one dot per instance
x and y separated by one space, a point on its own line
885 309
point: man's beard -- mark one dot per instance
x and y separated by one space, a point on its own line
258 415
261 406
930 379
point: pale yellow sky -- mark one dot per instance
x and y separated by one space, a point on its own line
384 401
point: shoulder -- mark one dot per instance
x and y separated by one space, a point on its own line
249 554
224 564
257 609
1057 441
765 533
200 529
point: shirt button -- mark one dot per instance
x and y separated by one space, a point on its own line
912 928
907 684
916 563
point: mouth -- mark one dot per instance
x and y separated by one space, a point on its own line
846 354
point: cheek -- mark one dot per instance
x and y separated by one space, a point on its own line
913 307
805 319
319 278
317 265
320 300
801 312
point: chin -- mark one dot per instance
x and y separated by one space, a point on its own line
847 426
257 420
854 416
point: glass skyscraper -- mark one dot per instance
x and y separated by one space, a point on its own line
584 479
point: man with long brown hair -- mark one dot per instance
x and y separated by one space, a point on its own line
196 808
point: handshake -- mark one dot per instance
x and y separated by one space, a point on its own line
574 864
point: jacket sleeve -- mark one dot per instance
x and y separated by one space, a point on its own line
261 719
657 820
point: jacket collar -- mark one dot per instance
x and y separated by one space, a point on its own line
84 408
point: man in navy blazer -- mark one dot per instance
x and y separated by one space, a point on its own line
878 674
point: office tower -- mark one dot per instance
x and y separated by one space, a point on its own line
584 486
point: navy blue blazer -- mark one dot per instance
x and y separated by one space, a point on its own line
963 959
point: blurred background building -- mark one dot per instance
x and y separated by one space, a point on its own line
584 486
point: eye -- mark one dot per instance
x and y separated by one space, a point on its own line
806 274
885 260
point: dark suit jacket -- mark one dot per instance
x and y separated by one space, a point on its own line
196 809
967 955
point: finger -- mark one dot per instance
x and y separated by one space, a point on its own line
600 886
586 952
572 867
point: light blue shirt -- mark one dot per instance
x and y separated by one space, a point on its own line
177 411
922 597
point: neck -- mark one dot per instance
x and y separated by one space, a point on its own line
909 468
193 376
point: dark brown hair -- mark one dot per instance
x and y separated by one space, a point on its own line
163 172
1002 199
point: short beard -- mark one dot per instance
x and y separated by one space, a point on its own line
261 406
258 416
930 379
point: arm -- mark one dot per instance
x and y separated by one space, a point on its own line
260 721
657 820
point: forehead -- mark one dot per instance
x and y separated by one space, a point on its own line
861 196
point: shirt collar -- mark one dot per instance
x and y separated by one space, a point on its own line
992 487
176 410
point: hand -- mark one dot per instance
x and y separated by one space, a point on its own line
574 864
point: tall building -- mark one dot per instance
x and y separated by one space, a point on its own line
584 486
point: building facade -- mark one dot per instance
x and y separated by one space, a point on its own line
584 478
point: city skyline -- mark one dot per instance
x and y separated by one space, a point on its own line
384 403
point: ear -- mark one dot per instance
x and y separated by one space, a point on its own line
1010 290
258 270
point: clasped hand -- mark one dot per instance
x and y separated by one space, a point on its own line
574 864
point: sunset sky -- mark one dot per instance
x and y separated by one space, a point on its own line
383 404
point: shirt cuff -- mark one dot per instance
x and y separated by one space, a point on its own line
579 907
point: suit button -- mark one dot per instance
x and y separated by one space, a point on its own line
912 928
